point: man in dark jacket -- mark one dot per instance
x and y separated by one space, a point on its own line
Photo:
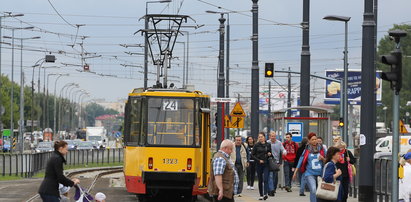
49 188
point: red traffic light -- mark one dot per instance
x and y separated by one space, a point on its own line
86 67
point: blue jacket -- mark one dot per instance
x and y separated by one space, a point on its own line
329 170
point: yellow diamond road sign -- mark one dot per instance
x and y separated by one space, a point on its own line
403 129
237 111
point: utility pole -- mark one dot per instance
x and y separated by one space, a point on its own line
255 77
269 109
368 104
227 80
220 90
12 88
21 121
305 63
238 100
289 93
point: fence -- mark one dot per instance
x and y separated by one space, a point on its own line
383 174
27 165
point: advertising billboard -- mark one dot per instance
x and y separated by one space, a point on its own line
333 88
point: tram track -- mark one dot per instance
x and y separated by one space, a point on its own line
102 172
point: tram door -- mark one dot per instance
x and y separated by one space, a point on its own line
205 146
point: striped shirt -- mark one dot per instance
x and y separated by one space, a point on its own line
219 167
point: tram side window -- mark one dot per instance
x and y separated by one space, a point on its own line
135 117
197 124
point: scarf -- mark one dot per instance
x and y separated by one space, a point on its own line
313 150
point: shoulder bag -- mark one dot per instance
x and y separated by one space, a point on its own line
327 191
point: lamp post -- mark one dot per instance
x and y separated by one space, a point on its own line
55 101
12 76
8 15
80 106
65 87
345 87
73 108
62 105
146 40
21 120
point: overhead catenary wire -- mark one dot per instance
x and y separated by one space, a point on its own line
60 14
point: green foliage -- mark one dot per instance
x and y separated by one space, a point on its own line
94 110
386 45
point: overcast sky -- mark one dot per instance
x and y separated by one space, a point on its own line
108 23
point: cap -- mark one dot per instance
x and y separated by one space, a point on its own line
407 156
63 189
100 196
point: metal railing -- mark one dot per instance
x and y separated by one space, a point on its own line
27 165
382 180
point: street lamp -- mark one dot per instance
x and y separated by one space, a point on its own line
65 87
12 75
55 101
345 86
21 120
8 15
146 40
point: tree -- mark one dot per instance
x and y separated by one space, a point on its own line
94 110
386 45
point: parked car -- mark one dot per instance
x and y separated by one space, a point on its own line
6 146
83 145
44 147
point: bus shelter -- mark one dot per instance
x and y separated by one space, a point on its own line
319 122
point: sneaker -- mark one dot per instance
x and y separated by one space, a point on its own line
252 188
288 189
265 197
302 194
239 195
248 187
271 193
260 198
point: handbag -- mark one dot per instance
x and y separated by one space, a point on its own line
327 191
273 165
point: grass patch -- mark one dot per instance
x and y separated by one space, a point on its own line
66 167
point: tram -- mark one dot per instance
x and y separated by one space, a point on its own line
167 143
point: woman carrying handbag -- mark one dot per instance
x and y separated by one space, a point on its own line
329 188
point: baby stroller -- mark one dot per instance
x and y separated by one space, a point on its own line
81 195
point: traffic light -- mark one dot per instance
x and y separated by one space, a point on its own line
341 124
395 75
269 70
395 62
86 68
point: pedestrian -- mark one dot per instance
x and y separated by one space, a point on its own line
100 197
346 158
251 163
291 148
297 157
331 173
320 141
277 150
260 154
49 188
63 190
405 182
311 164
223 177
239 158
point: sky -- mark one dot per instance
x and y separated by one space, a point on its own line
107 23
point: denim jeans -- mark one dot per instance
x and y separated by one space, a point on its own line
302 182
262 174
311 181
273 182
240 173
288 174
49 198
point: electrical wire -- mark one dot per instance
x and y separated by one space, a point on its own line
60 14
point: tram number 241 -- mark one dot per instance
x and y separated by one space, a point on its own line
170 161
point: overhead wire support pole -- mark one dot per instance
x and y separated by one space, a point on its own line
289 93
305 63
269 109
368 105
255 77
227 76
221 82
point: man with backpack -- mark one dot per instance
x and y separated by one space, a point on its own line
291 147
239 158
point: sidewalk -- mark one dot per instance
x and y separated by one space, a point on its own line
280 196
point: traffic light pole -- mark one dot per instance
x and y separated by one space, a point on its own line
395 146
305 63
269 109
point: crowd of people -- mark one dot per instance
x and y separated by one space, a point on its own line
304 163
